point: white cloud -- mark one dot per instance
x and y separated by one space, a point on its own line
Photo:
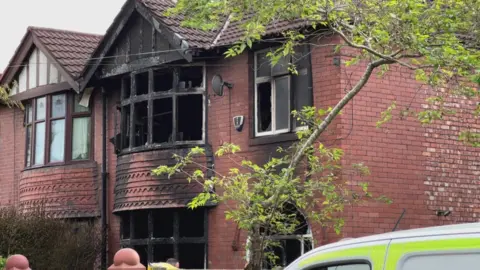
90 16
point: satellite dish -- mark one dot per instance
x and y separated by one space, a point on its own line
218 84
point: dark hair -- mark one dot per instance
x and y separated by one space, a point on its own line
172 261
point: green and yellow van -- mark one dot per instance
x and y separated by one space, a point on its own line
452 247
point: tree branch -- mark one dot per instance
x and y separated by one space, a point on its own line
297 157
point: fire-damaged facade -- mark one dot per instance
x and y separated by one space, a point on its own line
102 112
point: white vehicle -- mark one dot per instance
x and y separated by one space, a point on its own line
453 247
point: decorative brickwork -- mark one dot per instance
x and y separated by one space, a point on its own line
136 188
64 191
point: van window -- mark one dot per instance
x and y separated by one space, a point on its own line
356 266
442 261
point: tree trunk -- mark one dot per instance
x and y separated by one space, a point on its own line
255 257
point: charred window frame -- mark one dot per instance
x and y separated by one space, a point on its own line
159 234
163 108
51 124
277 92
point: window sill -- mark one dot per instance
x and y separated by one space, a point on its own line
164 146
74 164
277 138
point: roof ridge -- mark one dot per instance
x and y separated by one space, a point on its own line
33 28
222 30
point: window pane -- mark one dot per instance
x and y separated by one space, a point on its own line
125 126
301 58
263 65
81 138
302 92
22 80
42 71
282 103
264 107
58 106
57 140
40 108
281 67
39 143
32 70
77 107
28 145
29 113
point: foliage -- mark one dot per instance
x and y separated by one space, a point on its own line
48 243
6 100
3 261
263 194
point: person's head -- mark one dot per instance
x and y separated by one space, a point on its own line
173 262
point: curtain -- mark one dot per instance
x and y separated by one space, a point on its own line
81 138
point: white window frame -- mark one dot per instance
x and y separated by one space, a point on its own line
271 79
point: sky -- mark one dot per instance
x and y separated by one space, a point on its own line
90 16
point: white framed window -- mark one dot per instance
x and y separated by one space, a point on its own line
278 92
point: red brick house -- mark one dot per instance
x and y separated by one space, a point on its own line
155 79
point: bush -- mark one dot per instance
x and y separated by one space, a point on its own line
3 261
49 243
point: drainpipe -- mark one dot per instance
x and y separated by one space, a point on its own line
104 257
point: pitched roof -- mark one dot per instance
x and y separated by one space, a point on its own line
227 34
70 49
195 37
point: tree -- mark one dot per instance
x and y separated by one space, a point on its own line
6 100
438 40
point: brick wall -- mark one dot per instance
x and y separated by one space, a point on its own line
422 168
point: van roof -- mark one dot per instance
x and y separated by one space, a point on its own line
422 232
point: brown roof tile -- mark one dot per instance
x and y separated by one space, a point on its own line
195 37
219 37
234 32
70 49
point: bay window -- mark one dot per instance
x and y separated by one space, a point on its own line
58 130
278 92
162 107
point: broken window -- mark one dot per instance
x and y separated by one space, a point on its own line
141 83
164 112
162 80
160 234
141 123
162 119
277 92
190 77
190 117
